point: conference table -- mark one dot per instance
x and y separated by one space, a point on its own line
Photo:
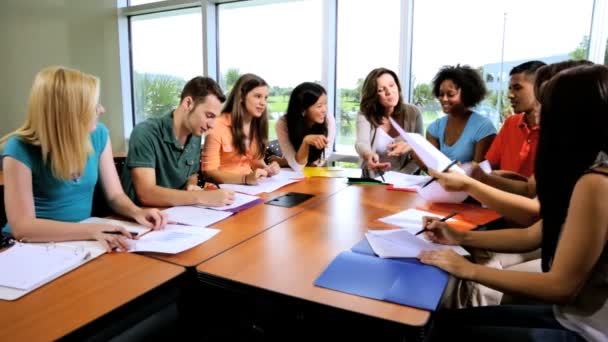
246 224
90 293
287 258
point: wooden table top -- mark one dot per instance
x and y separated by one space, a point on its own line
81 296
248 223
290 256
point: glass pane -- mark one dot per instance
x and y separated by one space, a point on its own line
368 38
493 37
280 42
140 2
167 51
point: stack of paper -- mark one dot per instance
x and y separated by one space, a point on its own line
172 239
404 181
195 216
130 226
402 243
241 201
433 159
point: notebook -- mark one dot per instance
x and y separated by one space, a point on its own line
27 266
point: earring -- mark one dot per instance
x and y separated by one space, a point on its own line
303 114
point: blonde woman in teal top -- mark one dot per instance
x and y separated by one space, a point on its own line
52 163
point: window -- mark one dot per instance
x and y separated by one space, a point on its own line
368 38
533 30
166 52
278 41
141 2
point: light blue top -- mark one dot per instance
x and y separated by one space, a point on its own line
463 150
57 199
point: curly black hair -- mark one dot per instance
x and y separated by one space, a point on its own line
472 86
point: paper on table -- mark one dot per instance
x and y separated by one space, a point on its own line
269 185
239 200
130 226
404 180
195 216
287 173
402 243
434 192
172 239
410 219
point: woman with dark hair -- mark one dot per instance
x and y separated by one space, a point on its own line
462 134
378 142
234 148
572 234
306 133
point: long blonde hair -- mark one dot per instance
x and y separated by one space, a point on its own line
60 113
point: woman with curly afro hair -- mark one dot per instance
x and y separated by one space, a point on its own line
462 134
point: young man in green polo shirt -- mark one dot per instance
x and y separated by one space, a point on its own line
163 160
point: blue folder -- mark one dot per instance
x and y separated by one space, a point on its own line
404 281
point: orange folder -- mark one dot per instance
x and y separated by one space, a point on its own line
469 215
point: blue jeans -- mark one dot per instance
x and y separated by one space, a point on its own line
500 323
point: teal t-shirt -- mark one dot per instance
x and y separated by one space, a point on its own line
463 150
153 145
57 199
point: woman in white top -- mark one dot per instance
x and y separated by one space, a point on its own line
306 133
378 143
572 234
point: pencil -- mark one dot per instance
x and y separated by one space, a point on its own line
443 219
444 170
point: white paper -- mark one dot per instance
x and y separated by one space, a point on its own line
26 266
435 193
239 200
433 159
404 180
195 216
172 239
130 226
410 219
270 184
486 166
402 243
287 173
382 140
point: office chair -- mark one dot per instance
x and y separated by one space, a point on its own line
100 207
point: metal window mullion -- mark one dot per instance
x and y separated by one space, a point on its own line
599 31
329 55
405 48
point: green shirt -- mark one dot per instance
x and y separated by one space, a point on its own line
153 145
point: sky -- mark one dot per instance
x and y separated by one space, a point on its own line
282 42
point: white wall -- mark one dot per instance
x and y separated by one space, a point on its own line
81 34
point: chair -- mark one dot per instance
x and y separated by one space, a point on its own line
100 207
3 219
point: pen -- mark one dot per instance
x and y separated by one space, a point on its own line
381 172
443 219
444 170
118 232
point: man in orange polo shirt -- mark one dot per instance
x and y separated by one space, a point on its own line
514 148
